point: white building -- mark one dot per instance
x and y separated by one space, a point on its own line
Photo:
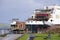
55 15
46 17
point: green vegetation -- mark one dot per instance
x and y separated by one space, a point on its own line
41 37
3 35
24 37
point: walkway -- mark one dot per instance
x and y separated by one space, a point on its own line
12 36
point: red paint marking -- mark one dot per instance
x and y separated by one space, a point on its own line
41 14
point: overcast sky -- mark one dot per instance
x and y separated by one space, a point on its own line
21 9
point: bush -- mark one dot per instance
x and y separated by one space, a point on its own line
3 35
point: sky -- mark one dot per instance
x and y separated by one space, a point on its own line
21 9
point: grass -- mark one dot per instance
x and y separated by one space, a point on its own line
42 36
24 37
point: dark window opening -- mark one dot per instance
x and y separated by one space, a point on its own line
40 16
51 20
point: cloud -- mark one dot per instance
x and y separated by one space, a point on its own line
21 9
30 3
48 2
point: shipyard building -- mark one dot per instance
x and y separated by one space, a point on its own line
44 20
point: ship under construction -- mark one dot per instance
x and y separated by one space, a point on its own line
44 19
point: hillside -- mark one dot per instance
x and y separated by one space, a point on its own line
4 26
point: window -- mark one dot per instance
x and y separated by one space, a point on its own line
57 16
40 16
51 20
21 26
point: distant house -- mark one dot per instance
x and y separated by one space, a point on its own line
17 27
